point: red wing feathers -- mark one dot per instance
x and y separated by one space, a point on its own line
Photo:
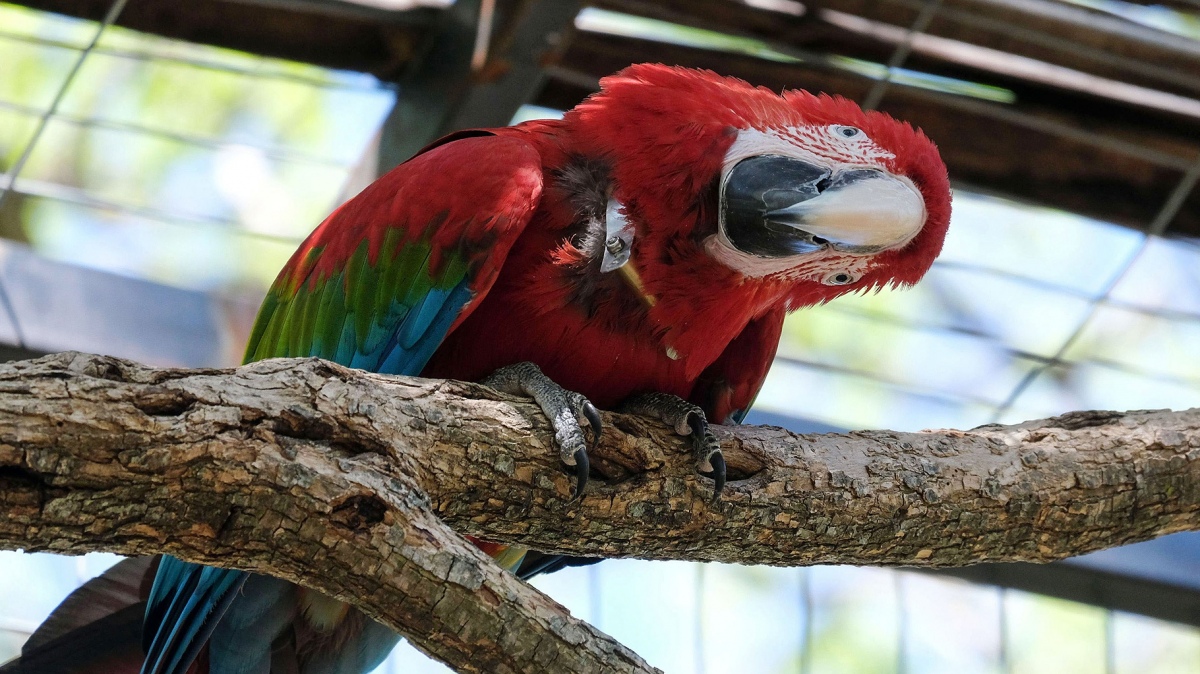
727 388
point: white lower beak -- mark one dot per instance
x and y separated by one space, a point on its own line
860 211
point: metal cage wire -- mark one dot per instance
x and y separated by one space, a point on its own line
1036 366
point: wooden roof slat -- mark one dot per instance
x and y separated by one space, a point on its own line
344 34
1186 6
1116 171
1057 33
1071 36
1170 140
1072 149
1054 32
1029 80
354 9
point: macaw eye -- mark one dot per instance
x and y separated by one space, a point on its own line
839 278
847 131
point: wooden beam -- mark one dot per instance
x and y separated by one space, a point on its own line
325 33
1076 582
444 92
432 84
344 34
1077 150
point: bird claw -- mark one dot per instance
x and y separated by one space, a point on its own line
686 419
582 467
708 449
594 422
717 474
567 411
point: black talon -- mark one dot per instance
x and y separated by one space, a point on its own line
583 467
593 416
672 410
563 408
718 474
699 428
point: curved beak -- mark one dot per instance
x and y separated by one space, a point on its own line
777 206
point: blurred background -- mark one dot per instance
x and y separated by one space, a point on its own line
161 160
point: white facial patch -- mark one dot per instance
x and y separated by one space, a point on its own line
864 217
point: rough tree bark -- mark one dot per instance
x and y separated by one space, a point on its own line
345 481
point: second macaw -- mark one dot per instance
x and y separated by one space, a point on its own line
640 253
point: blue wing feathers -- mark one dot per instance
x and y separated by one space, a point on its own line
196 602
348 346
171 578
187 601
422 316
417 339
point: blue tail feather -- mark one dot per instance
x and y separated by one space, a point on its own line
194 607
242 640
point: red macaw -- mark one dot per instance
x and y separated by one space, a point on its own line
640 252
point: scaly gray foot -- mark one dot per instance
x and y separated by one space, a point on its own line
567 411
687 419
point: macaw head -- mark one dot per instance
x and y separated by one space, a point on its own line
796 190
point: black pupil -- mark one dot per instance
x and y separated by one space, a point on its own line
850 132
842 278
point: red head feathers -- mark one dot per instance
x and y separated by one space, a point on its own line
806 190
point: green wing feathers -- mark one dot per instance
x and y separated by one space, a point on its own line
380 283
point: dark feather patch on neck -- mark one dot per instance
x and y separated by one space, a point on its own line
586 183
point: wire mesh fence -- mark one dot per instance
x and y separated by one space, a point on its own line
202 168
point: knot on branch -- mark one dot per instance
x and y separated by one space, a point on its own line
162 401
359 512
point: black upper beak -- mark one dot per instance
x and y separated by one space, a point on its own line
774 206
759 186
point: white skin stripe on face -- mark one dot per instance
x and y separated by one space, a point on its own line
820 145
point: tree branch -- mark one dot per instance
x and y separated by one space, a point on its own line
337 478
231 468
